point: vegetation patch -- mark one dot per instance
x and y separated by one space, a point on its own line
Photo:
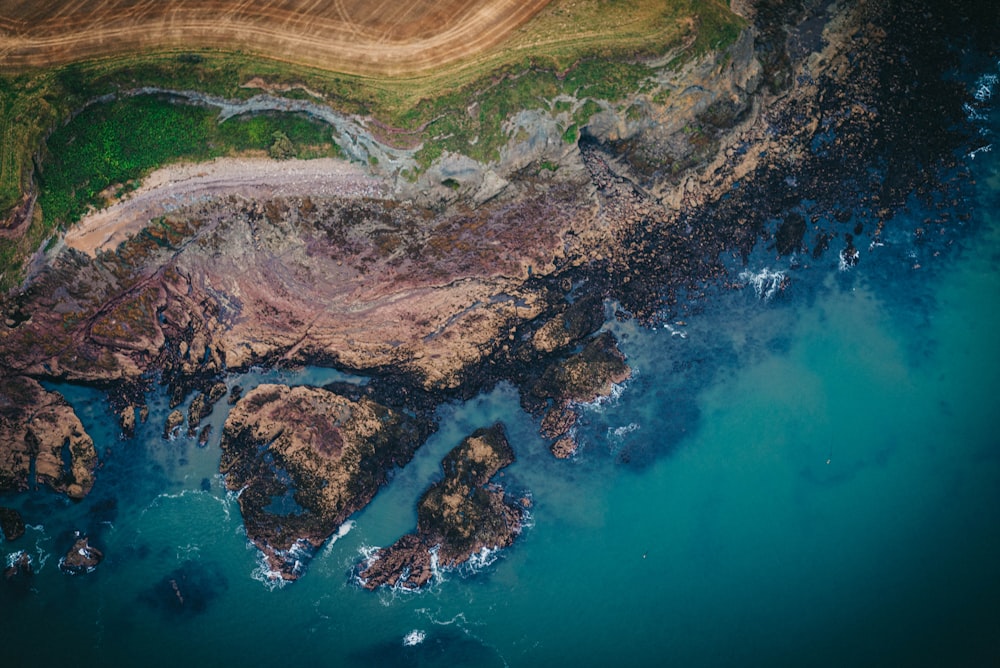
110 145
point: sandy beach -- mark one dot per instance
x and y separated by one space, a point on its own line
180 185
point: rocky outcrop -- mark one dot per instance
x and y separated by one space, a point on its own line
303 460
41 432
457 518
19 571
580 378
11 524
174 420
81 558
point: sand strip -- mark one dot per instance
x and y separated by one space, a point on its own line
181 185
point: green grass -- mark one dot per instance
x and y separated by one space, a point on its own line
114 143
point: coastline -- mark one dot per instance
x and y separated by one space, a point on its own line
177 186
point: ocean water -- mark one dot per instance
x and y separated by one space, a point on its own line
807 479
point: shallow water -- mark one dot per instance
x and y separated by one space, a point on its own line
810 480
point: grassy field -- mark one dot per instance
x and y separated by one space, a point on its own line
111 145
588 49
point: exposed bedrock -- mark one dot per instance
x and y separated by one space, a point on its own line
81 558
303 460
457 517
580 378
43 436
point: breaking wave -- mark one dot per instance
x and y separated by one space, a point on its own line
765 283
342 531
414 637
977 112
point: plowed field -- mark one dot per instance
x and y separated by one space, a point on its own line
377 37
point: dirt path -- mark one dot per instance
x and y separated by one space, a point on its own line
180 185
348 36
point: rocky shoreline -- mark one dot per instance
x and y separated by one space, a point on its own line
437 293
462 515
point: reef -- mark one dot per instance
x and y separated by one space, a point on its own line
461 516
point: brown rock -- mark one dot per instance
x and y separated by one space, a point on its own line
174 420
456 517
305 459
564 448
126 418
20 569
38 425
81 558
581 378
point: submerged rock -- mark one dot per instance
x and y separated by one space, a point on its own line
187 590
19 570
11 524
81 558
457 518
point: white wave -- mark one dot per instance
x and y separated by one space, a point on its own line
848 258
436 573
618 433
982 149
369 553
43 556
673 330
342 531
486 557
978 113
765 283
414 637
460 617
14 556
187 551
973 114
263 573
604 401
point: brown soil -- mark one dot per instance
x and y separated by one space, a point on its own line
357 36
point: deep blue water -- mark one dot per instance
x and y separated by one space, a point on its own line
812 479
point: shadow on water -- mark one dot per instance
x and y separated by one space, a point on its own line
186 591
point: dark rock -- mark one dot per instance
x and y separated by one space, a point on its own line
11 524
20 570
791 231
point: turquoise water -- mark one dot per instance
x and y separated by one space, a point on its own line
811 480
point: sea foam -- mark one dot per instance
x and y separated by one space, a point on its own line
414 637
765 283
